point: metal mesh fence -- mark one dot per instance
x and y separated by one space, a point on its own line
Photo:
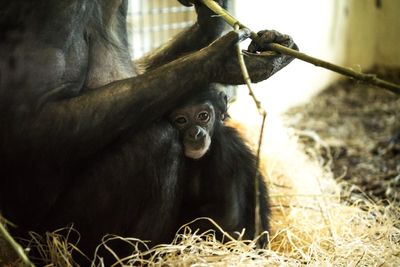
152 22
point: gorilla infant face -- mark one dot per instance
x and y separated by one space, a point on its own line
195 123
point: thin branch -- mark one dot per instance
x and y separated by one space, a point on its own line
367 78
263 113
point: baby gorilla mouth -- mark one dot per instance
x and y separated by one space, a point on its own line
196 150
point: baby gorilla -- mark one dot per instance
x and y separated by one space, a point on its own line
219 169
195 123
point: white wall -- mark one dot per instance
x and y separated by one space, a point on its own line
374 33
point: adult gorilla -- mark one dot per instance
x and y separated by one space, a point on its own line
81 135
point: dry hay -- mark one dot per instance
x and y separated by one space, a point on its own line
312 224
359 124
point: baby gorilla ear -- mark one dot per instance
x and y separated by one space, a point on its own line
224 97
223 105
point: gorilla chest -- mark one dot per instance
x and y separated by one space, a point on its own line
107 64
199 186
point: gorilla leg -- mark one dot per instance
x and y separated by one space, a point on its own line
132 190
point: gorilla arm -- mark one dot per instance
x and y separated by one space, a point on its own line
83 124
205 30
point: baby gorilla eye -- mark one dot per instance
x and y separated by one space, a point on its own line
203 116
181 120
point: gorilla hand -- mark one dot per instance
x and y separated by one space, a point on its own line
267 37
260 62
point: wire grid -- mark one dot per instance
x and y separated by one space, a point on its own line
152 22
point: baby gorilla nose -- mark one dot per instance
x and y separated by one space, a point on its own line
196 133
196 142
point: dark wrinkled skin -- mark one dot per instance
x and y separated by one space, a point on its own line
220 183
81 135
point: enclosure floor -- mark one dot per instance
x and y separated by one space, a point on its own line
359 130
